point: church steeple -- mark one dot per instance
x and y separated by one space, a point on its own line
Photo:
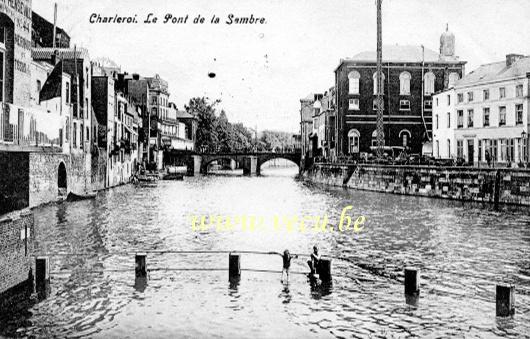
447 45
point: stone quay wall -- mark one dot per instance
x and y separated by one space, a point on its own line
16 244
502 186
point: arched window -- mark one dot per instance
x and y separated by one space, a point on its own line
428 83
404 135
353 141
382 82
353 82
453 78
374 138
404 83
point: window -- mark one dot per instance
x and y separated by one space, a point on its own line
469 118
519 114
353 104
67 92
460 148
404 83
2 61
436 126
353 82
469 96
502 92
428 83
427 105
448 99
87 79
519 91
39 87
486 116
453 78
74 136
437 148
353 141
479 150
486 94
375 104
448 147
502 115
459 119
460 98
448 120
374 138
382 82
436 102
404 105
87 109
404 135
81 139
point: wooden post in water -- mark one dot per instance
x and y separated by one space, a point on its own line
234 268
412 281
141 265
505 305
42 276
324 271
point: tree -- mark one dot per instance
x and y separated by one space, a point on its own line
204 111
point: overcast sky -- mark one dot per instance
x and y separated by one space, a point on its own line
263 70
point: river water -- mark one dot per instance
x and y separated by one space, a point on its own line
462 250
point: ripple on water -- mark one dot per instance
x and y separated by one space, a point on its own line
462 251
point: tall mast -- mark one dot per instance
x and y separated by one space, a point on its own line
380 131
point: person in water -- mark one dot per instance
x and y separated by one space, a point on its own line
286 256
314 262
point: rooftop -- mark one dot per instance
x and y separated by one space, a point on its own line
496 71
62 53
398 53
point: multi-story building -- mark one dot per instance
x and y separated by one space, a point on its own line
491 113
411 74
306 123
444 122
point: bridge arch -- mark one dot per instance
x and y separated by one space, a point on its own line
206 161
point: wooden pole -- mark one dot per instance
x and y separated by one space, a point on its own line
412 282
141 265
505 300
324 271
234 267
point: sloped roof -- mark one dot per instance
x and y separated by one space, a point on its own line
184 115
398 53
309 97
63 53
496 71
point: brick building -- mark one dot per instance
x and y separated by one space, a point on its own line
411 74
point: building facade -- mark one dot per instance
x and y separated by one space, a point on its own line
411 75
444 122
491 113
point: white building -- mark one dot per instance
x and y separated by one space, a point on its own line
489 117
444 122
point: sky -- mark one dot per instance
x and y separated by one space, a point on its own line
262 70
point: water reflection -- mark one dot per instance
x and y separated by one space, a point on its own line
462 250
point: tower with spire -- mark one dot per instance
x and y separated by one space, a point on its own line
447 46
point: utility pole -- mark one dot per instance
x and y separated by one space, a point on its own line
380 131
54 24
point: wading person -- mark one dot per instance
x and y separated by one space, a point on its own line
287 263
314 261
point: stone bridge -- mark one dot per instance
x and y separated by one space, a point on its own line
250 161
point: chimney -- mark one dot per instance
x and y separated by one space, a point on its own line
512 58
136 76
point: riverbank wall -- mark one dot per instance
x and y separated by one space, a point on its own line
491 185
16 244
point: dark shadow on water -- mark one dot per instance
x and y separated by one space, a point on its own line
412 300
286 294
234 285
319 288
140 284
